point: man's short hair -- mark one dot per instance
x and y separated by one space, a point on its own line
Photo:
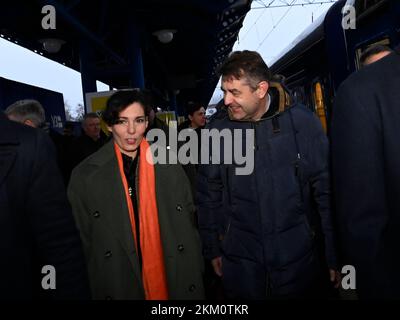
27 109
89 115
193 106
248 65
372 50
120 100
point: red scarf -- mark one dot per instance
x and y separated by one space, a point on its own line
153 269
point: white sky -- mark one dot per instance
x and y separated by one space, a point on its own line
268 31
22 65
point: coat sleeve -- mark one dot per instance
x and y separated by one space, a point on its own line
54 230
321 189
359 186
210 204
75 193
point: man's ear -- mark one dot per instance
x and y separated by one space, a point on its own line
29 122
109 129
190 117
262 89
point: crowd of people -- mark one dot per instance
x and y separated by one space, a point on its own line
116 224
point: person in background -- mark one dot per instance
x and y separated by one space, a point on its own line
374 53
196 117
135 217
196 122
37 228
366 176
154 121
29 112
65 145
91 139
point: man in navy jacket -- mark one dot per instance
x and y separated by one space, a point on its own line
264 231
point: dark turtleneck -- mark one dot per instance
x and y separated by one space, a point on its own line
130 166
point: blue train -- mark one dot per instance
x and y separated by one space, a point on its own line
326 53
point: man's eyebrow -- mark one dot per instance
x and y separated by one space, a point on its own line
234 90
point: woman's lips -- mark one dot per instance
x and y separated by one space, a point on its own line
131 141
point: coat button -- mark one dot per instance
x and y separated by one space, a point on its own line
108 254
181 247
179 208
192 288
96 214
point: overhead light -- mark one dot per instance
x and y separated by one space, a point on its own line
52 45
164 35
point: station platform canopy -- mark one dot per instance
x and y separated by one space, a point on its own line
172 47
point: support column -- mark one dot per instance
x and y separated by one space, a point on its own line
86 61
135 54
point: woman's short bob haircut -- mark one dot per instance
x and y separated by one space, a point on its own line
120 100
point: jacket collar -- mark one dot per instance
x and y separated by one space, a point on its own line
8 131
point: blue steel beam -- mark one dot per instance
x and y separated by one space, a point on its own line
72 5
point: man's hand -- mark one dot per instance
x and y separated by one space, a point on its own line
217 265
335 277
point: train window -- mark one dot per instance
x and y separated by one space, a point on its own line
363 7
362 48
319 103
299 94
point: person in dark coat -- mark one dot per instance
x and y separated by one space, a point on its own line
366 175
91 140
37 228
135 217
154 121
195 122
29 112
259 227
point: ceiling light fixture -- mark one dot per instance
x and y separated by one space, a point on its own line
164 35
52 45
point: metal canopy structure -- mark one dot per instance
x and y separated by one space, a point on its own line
115 42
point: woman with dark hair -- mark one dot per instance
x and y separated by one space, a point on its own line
135 217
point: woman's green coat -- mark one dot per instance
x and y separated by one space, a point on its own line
98 200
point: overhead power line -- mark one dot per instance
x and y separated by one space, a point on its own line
268 4
279 21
